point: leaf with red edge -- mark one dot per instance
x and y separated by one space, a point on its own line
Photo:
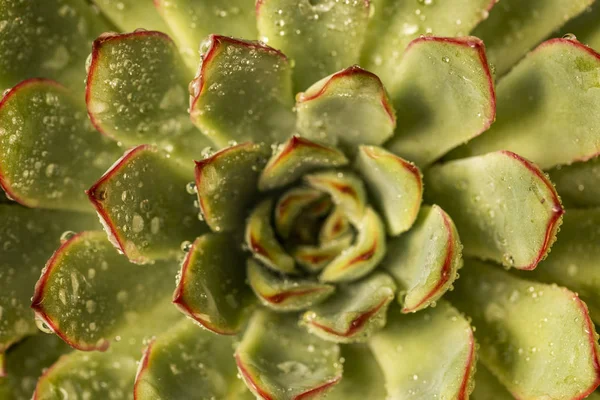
212 288
355 312
289 207
143 204
88 292
137 93
425 260
316 257
537 339
412 368
251 102
279 360
50 151
335 226
348 108
504 207
132 14
443 93
585 27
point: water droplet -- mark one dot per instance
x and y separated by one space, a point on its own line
569 36
191 188
186 246
66 236
446 59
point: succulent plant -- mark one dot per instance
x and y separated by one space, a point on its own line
253 244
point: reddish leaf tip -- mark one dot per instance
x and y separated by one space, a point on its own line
142 368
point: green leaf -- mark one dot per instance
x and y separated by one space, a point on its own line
212 288
28 238
227 184
578 183
316 257
335 226
425 260
514 27
355 312
50 39
320 36
363 378
537 339
192 20
296 157
348 108
487 386
290 205
279 360
395 185
585 26
504 207
252 102
129 15
51 152
186 362
137 93
411 368
284 293
88 292
443 93
561 80
363 256
143 204
262 242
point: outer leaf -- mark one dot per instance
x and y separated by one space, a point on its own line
585 26
137 93
184 363
212 288
425 260
279 360
504 207
47 144
314 258
578 183
487 386
411 369
561 80
321 37
355 312
395 184
49 39
28 238
192 20
226 184
283 293
349 108
363 256
443 93
144 207
363 378
537 339
88 292
290 205
263 243
252 102
129 15
514 27
296 157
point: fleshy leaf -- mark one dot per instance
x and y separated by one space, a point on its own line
316 257
212 288
226 184
320 36
185 362
537 339
279 360
363 378
252 102
137 93
129 15
49 39
28 237
487 386
425 260
363 256
355 312
143 204
192 20
515 27
290 205
395 184
88 292
443 93
296 157
335 226
411 369
504 207
578 183
283 293
346 189
561 79
262 242
348 108
50 151
585 26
